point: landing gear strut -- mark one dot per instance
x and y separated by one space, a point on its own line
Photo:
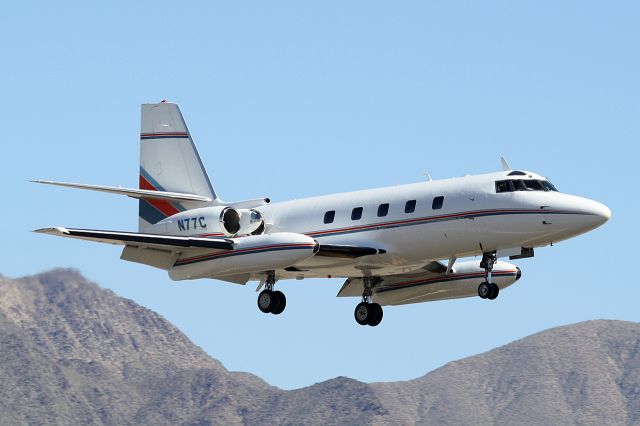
270 301
366 312
487 289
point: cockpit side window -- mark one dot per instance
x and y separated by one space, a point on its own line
503 186
524 185
533 185
519 185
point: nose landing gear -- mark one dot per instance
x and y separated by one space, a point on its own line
366 312
270 301
487 289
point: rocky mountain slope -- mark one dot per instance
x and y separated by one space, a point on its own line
73 353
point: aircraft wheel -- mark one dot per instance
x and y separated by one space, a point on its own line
362 313
375 316
484 290
266 301
495 290
282 302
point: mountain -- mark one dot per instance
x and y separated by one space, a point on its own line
73 353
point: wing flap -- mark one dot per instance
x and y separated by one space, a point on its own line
162 258
136 238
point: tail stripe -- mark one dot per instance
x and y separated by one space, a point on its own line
154 211
149 213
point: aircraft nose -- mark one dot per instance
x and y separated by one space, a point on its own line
592 214
599 211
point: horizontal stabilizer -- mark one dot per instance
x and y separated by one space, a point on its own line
348 252
133 193
135 238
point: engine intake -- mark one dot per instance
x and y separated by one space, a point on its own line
235 222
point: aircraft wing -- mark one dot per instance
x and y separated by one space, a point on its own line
136 238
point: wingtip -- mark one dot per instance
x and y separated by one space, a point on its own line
55 230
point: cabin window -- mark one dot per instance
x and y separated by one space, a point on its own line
356 214
383 209
437 203
410 206
329 216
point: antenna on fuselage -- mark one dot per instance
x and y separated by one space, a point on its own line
505 165
427 175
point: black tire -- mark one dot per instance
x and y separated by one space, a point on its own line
375 317
266 301
362 313
281 303
495 290
484 290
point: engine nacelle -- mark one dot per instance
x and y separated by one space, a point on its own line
236 222
213 221
254 253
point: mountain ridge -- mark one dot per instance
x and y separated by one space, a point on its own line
74 353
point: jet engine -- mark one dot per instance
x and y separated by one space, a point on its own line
241 222
221 220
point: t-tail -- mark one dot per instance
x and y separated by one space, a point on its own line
169 162
172 177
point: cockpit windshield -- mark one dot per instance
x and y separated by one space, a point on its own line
512 185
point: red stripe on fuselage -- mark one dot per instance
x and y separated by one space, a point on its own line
165 207
425 219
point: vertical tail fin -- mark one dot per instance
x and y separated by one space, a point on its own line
169 161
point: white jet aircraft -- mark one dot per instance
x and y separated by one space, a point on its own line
394 245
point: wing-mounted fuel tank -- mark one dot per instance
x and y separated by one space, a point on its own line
253 253
213 221
424 286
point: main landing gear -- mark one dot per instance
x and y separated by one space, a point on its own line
368 313
487 289
270 301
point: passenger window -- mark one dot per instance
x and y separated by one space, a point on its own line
383 209
410 207
356 214
329 216
437 203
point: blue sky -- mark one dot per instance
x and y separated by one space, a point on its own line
292 99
